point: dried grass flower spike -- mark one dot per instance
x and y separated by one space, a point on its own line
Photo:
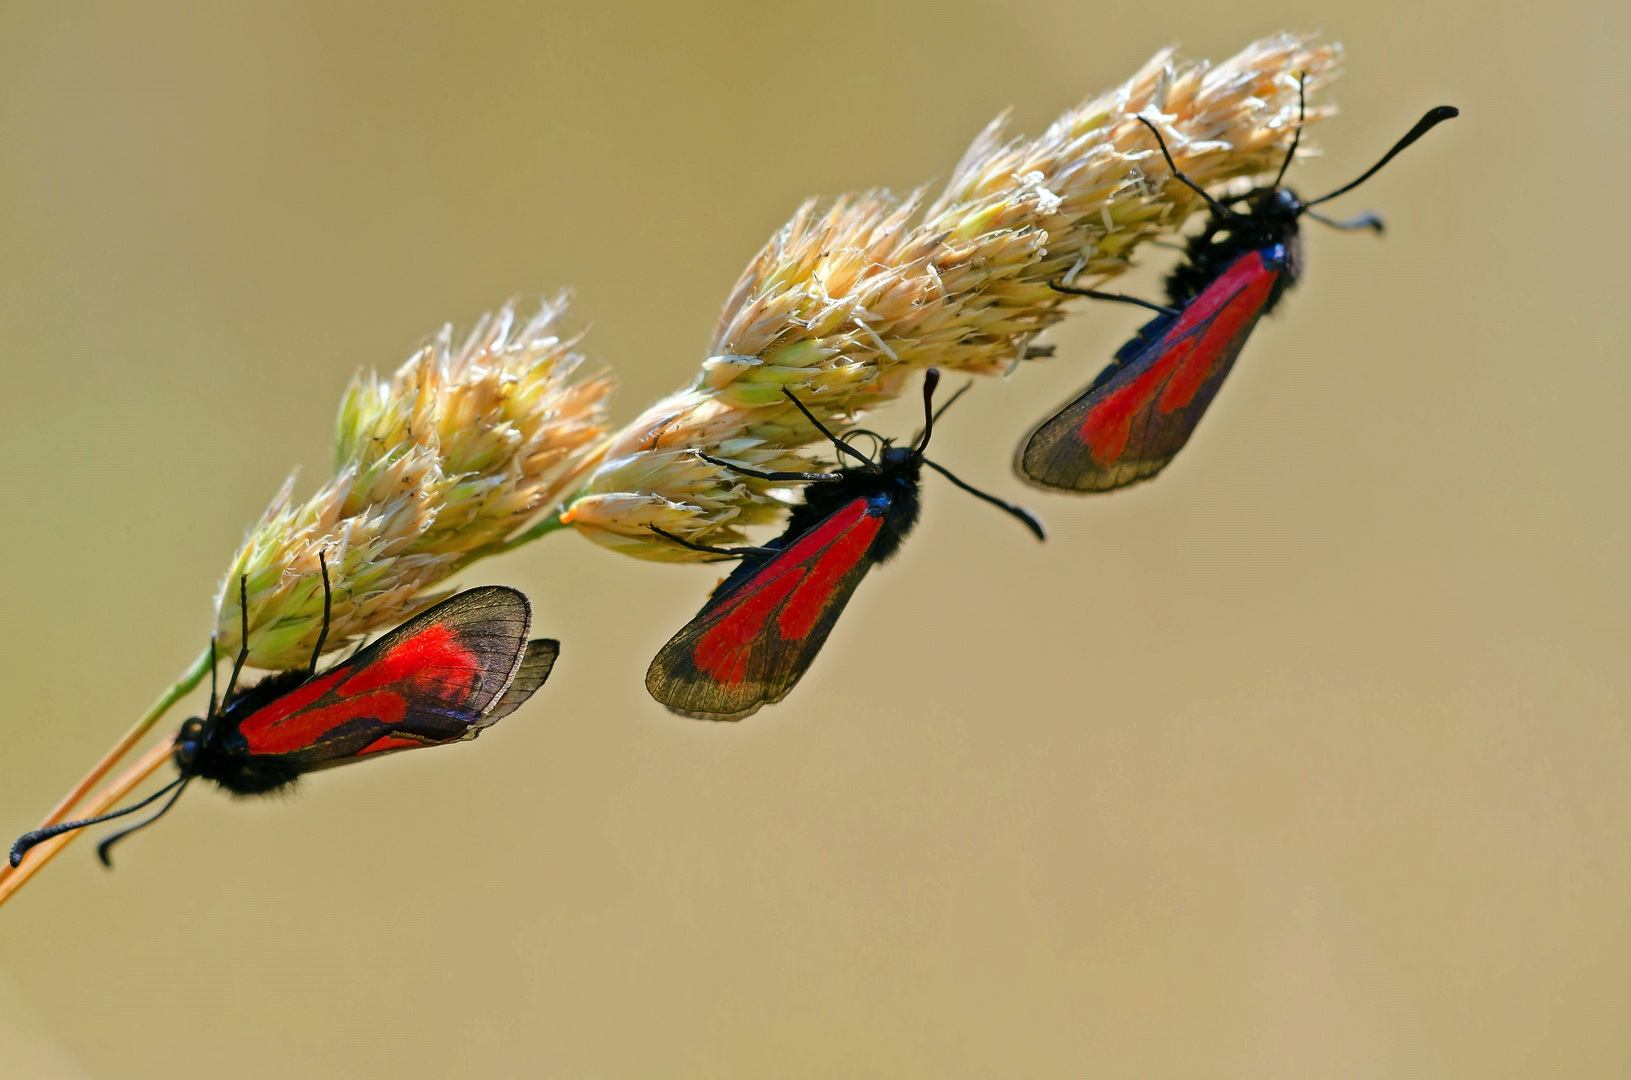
844 304
464 452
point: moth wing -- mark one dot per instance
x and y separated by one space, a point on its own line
1135 417
535 668
436 678
751 644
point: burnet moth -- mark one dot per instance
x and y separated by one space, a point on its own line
1140 411
441 677
759 631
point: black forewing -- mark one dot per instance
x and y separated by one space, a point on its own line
758 634
1120 430
434 679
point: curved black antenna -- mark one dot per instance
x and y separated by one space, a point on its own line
1366 220
935 416
1431 119
28 840
1302 116
1217 207
1032 522
843 446
106 845
315 653
931 380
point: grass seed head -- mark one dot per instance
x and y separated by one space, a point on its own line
454 452
844 304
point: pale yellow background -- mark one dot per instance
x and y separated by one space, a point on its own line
1310 759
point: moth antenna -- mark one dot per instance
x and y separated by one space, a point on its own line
843 446
106 845
948 403
28 840
1430 120
322 635
1297 136
931 380
1217 207
1366 220
1030 520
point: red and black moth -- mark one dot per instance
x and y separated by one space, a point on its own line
763 626
1141 410
441 677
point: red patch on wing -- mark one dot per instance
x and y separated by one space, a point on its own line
1184 357
388 742
801 577
805 607
378 691
435 647
288 731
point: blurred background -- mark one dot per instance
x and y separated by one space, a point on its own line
1312 758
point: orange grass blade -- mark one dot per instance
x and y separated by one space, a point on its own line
103 801
129 739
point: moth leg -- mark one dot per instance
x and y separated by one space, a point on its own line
843 447
736 552
812 477
1120 298
322 635
243 645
